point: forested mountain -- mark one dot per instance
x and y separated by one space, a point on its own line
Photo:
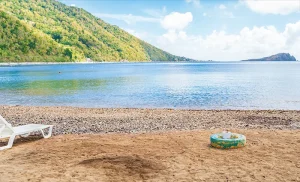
47 30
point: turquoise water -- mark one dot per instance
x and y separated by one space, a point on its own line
241 85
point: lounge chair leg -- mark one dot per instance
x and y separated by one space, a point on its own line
10 143
49 132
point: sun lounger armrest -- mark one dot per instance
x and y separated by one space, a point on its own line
2 128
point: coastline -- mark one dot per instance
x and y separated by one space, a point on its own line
118 62
74 120
113 144
104 62
55 63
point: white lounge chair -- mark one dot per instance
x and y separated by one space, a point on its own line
7 131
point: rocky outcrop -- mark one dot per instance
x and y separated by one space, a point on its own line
276 57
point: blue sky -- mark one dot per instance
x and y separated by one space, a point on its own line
206 29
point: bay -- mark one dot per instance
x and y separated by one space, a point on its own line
215 85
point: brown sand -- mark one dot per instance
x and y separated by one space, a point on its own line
170 156
168 145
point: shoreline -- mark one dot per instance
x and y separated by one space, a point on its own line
104 62
124 62
150 108
115 144
53 63
130 62
75 120
78 63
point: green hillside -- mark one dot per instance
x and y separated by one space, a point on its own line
47 30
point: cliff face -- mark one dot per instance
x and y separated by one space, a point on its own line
276 57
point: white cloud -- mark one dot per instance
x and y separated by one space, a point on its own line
248 43
174 23
140 35
177 21
282 7
224 12
194 2
174 20
164 10
239 4
172 36
128 18
158 13
73 5
222 6
182 35
204 14
292 33
228 14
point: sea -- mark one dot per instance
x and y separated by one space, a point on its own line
204 85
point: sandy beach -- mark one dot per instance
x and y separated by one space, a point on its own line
71 120
151 145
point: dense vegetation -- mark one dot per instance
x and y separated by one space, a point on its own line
47 30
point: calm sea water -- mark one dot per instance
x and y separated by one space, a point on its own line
241 85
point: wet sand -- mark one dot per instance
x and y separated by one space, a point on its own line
151 145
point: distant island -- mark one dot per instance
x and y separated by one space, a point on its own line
276 57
